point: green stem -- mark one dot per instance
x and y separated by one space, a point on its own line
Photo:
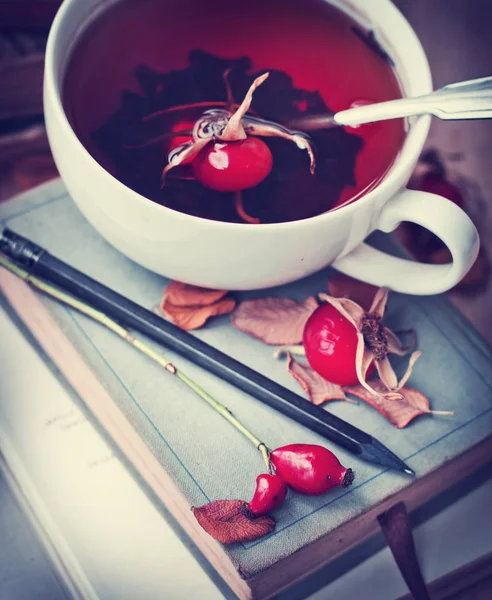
157 357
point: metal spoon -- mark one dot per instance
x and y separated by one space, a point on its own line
463 100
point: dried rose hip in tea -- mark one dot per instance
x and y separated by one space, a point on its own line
267 185
225 156
270 492
232 167
162 72
226 152
310 469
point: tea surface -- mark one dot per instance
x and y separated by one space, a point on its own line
141 59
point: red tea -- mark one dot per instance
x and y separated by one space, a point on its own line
144 69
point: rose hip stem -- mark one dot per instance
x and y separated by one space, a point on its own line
157 357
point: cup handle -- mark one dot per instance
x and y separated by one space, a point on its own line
440 216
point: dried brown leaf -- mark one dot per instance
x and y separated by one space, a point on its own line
343 286
318 389
278 321
231 521
190 306
193 317
398 411
183 294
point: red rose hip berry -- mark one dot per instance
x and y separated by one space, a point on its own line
310 469
270 492
233 166
330 342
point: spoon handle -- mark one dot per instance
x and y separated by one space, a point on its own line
463 100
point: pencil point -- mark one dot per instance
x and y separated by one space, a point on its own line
373 451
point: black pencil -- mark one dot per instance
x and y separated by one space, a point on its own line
39 262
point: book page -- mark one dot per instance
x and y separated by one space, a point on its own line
112 540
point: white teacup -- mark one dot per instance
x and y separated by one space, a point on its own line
245 256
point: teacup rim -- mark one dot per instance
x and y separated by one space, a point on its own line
408 152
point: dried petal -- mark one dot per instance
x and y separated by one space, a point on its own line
278 321
231 521
193 317
363 362
413 359
183 294
318 389
234 129
348 308
259 127
178 155
363 358
395 345
387 374
343 286
378 305
398 411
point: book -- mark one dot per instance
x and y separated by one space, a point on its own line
90 514
185 454
105 538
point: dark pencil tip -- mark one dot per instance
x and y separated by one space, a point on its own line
375 452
